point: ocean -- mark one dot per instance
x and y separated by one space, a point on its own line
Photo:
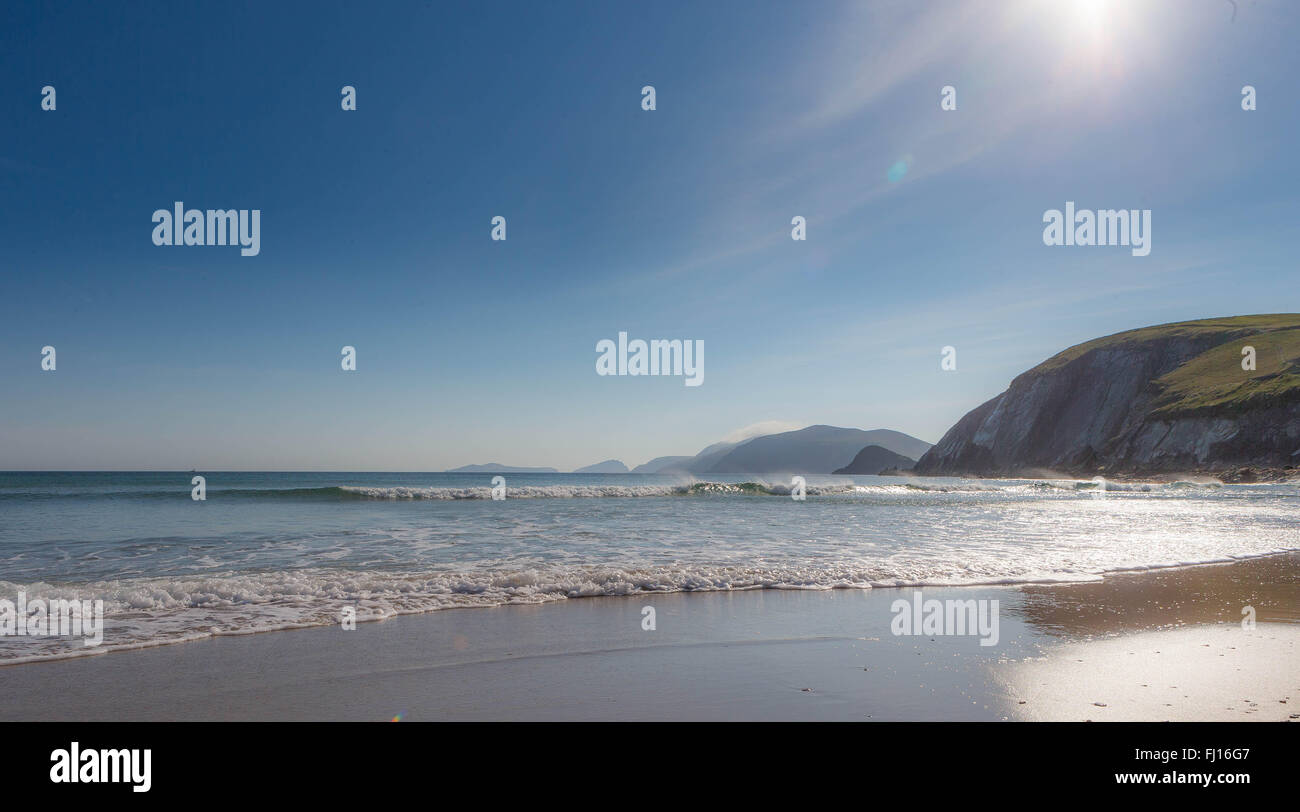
268 551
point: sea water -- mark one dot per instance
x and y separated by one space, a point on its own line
270 551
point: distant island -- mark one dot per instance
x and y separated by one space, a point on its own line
498 468
874 460
1214 396
606 467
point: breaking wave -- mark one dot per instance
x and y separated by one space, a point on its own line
145 612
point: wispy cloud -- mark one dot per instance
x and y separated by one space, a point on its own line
761 428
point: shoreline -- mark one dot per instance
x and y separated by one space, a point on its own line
752 654
1095 578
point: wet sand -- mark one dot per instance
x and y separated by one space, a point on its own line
1195 674
754 655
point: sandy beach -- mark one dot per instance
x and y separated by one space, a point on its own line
1159 645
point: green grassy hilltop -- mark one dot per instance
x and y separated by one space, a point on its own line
1214 381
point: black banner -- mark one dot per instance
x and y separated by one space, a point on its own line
227 762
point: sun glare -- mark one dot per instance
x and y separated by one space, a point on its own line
1091 14
1101 38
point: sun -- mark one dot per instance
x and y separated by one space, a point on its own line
1090 15
1091 9
1100 39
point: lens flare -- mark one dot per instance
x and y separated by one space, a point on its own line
898 169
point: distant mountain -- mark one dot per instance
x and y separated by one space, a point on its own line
873 459
1209 396
658 464
812 450
606 467
703 462
698 464
498 468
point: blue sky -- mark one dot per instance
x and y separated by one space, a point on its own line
672 223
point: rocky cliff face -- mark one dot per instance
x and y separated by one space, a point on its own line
1160 399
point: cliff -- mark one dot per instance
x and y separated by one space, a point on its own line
1169 398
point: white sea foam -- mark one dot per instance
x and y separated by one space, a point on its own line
156 611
